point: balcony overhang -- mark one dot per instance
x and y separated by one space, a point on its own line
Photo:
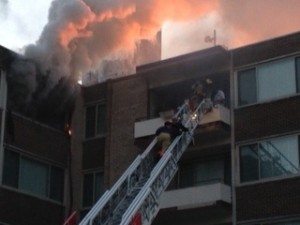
195 197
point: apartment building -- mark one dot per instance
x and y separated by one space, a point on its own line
34 162
241 168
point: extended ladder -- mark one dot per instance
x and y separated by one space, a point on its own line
138 190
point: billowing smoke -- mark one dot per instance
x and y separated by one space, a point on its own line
81 34
236 22
86 36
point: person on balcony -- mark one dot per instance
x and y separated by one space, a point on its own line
201 91
218 97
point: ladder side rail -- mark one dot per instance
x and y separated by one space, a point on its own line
105 200
146 202
176 148
161 176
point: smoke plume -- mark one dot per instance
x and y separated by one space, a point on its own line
81 34
86 36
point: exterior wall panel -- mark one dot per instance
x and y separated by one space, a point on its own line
271 199
36 139
266 50
20 209
267 119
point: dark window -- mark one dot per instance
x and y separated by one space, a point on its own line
101 119
88 190
247 87
11 169
202 173
95 120
249 163
93 188
56 183
90 121
32 176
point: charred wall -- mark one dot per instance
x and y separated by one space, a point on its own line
35 138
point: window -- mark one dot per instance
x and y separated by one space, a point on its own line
270 158
269 80
32 176
93 188
195 174
95 120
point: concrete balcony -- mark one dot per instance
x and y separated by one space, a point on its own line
148 127
195 197
208 205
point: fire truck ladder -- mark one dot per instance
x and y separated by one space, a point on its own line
137 191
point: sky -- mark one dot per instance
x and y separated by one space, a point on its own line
22 22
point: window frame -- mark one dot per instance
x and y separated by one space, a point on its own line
21 156
194 168
266 179
94 199
237 70
96 133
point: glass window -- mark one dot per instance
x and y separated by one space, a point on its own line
247 87
202 173
276 79
90 121
101 119
249 163
88 190
56 183
93 188
269 80
11 169
95 120
271 158
32 176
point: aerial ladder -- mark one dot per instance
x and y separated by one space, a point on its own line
135 195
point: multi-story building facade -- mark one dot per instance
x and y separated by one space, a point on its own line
242 167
